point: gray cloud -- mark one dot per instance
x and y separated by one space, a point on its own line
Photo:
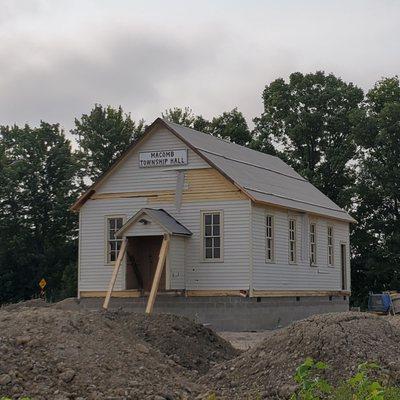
58 58
59 82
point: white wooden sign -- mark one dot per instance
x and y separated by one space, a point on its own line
162 158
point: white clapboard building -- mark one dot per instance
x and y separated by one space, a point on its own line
251 243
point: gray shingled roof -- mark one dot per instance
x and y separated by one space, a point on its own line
169 223
264 177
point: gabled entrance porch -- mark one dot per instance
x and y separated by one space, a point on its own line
146 239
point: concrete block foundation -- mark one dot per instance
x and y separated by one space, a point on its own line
232 313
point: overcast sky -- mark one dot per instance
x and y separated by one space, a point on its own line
58 58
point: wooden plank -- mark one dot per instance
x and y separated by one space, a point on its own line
123 195
213 293
264 293
115 273
157 276
168 195
130 293
299 293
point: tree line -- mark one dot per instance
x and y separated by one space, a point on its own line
346 142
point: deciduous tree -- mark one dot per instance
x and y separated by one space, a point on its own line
103 135
309 119
376 237
37 231
231 125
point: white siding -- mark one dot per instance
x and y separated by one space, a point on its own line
233 273
280 275
150 229
94 273
176 262
128 177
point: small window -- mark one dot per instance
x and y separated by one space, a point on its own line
292 241
212 243
269 238
330 246
313 244
114 224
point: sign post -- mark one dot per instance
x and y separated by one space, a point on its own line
42 285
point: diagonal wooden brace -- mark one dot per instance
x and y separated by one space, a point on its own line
115 273
157 276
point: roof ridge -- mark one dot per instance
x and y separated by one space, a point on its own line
221 139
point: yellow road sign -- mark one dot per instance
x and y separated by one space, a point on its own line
42 283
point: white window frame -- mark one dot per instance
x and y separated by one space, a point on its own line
294 240
330 246
221 236
313 243
107 238
269 238
346 263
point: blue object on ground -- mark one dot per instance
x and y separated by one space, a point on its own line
380 302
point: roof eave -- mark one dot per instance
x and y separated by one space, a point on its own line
143 211
348 218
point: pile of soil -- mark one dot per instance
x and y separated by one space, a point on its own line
24 304
342 340
53 353
63 352
190 345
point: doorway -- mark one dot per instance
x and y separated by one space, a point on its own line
343 262
141 262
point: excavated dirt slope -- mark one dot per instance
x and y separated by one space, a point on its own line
57 353
48 353
342 340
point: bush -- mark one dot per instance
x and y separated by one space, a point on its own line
359 387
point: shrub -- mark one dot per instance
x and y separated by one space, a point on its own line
359 387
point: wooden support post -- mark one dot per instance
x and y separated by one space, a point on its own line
157 276
115 273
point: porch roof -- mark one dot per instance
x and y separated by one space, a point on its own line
160 216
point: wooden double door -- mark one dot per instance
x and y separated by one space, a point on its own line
141 262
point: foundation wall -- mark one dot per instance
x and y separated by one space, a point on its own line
233 313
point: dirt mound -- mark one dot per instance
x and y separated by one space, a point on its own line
342 340
191 345
24 304
48 353
58 353
70 304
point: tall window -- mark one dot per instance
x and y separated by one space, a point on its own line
269 238
313 244
114 224
292 241
212 235
330 246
